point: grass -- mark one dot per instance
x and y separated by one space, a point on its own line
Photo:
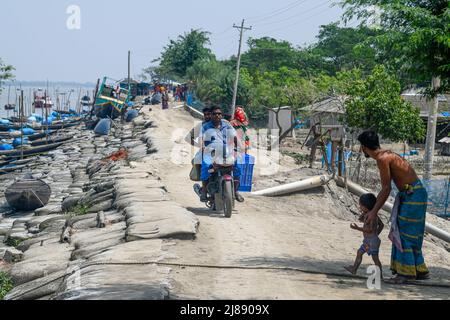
298 157
13 242
79 210
6 284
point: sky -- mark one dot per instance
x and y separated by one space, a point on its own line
36 39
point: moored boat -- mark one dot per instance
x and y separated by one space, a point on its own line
30 151
51 140
28 194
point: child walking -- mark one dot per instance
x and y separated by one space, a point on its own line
371 242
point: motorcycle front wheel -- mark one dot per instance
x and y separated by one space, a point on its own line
227 199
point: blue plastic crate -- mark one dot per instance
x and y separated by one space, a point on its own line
247 174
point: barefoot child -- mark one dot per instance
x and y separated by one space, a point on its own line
371 231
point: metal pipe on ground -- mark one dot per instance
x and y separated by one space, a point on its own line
306 184
358 191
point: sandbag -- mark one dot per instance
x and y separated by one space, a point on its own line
103 127
131 115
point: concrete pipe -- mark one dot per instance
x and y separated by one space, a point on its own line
310 183
358 191
195 113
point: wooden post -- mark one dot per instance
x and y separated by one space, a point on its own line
46 114
431 132
95 97
340 159
21 124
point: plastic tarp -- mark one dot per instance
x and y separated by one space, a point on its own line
37 116
103 127
6 147
18 141
131 115
49 120
28 131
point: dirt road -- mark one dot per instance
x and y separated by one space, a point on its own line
306 231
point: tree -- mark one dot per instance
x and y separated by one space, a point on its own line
5 73
284 87
212 82
375 103
418 32
341 48
268 54
181 54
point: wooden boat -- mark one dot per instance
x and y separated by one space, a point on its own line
30 151
13 161
63 125
16 134
40 135
52 140
28 194
8 169
56 126
41 102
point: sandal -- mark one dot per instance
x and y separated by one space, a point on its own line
397 280
350 269
425 276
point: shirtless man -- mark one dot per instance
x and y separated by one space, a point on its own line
407 262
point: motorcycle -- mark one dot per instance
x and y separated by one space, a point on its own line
221 189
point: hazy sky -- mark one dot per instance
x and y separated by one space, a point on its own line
36 40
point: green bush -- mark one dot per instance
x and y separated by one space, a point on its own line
298 157
79 210
13 242
6 284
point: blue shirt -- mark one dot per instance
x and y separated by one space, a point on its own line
225 134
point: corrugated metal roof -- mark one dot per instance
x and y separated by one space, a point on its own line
445 140
331 105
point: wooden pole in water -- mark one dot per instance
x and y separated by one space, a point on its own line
9 91
21 124
78 103
46 114
29 102
97 87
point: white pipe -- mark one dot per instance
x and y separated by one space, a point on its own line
194 111
358 190
310 183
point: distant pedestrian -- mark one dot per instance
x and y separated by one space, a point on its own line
165 100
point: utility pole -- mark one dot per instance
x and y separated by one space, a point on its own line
236 82
431 132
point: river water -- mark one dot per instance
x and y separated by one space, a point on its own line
68 96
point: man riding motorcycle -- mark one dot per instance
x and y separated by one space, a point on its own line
218 135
